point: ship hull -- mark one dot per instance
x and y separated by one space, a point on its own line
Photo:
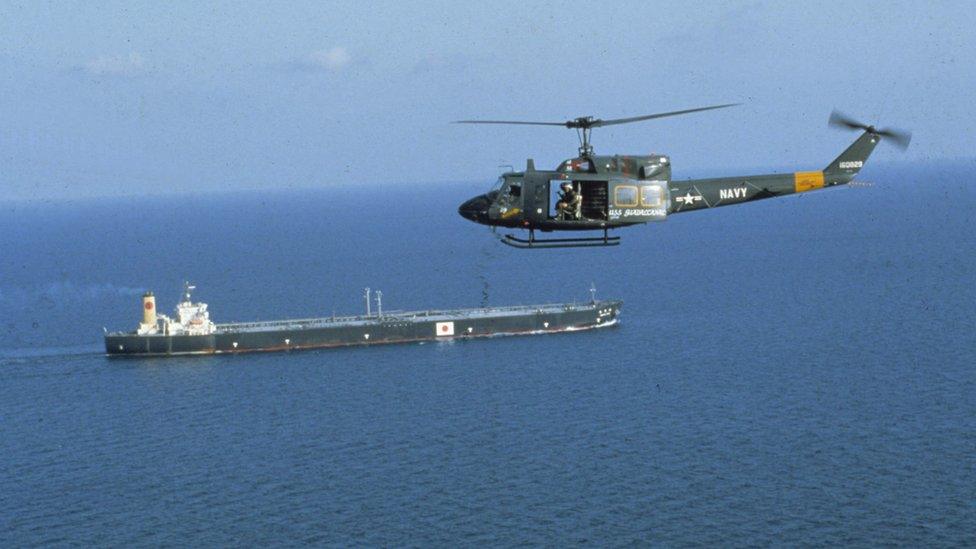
389 329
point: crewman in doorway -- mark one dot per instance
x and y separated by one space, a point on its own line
570 202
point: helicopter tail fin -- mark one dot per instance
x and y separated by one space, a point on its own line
845 167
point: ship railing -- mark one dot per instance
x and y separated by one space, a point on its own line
481 310
296 322
301 323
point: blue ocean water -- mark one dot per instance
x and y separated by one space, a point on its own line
798 370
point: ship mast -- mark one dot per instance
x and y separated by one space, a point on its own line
187 288
366 295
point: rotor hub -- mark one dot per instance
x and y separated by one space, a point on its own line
582 122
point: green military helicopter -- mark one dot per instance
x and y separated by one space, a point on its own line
599 193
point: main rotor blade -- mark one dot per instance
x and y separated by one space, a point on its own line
599 123
563 124
588 122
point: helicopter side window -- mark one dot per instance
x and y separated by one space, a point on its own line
625 196
652 196
515 190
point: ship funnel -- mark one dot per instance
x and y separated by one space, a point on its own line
148 309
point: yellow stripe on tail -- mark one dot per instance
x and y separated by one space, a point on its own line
807 181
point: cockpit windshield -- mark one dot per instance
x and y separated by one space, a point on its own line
498 185
510 193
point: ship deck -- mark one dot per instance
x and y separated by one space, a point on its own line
406 316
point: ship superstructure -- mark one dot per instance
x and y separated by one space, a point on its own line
190 318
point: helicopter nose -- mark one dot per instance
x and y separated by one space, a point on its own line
475 209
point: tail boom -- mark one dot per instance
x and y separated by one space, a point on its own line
696 194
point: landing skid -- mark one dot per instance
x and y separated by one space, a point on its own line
533 242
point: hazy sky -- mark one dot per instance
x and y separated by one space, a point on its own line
127 98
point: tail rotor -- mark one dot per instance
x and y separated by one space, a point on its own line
899 138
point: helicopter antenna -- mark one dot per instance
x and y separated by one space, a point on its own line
584 124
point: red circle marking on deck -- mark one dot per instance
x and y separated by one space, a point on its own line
443 328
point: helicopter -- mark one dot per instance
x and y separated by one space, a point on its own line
598 193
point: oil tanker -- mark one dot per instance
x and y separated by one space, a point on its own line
191 332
